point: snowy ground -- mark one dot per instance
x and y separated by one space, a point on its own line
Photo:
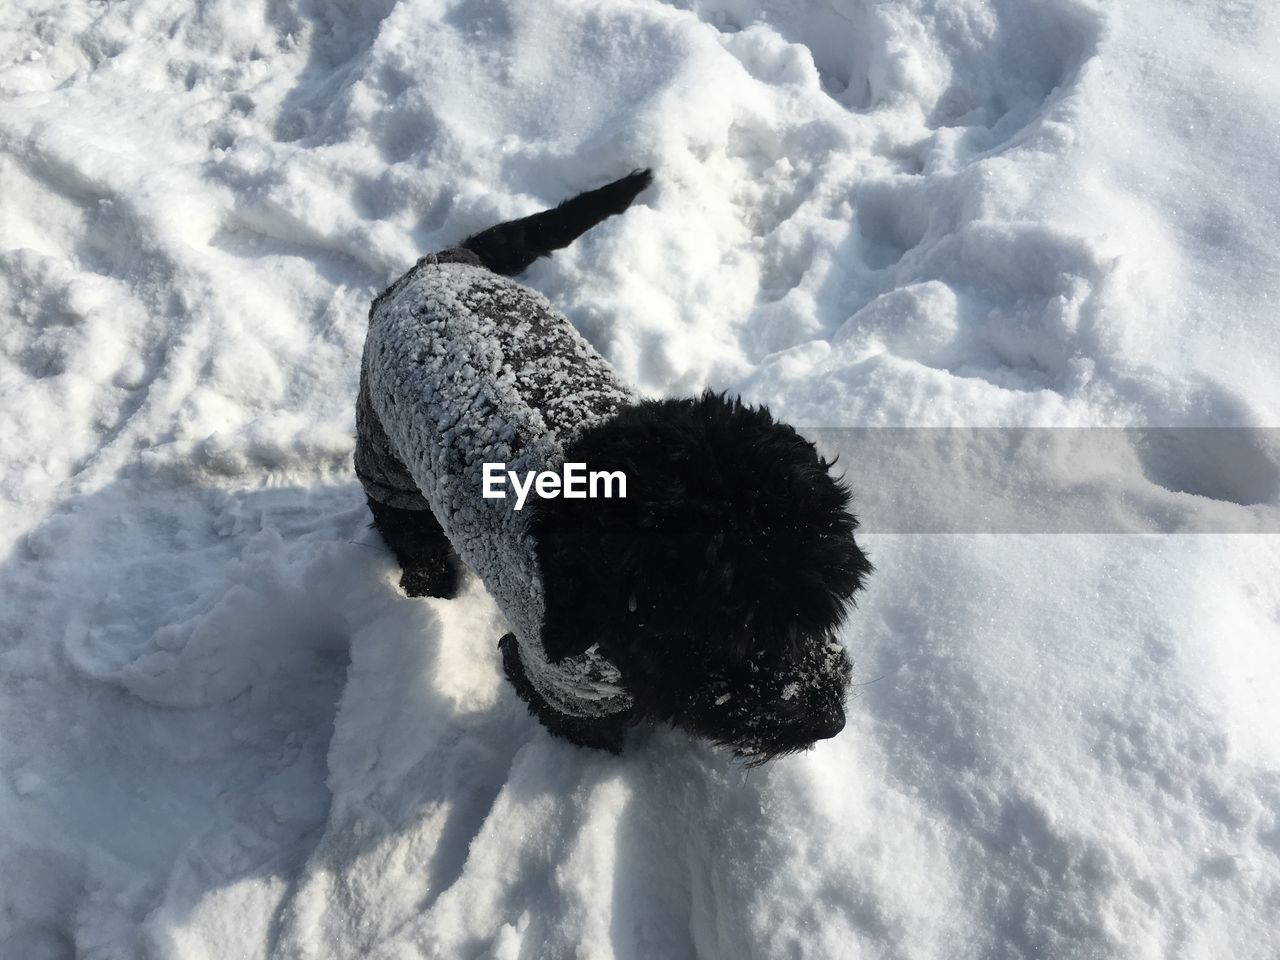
224 733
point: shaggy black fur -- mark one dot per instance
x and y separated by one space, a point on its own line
718 583
429 567
510 248
716 586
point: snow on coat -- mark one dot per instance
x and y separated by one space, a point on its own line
464 367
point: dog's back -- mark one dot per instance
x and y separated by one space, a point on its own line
521 323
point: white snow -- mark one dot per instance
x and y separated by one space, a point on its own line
225 733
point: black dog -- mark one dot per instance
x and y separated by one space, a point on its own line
708 597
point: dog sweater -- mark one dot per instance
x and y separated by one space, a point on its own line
464 367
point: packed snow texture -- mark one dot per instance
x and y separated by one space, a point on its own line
226 733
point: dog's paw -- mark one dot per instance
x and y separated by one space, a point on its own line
435 581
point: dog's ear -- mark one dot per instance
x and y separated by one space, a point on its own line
570 577
564 641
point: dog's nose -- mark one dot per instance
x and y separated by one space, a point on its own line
824 726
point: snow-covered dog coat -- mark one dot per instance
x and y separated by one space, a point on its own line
464 367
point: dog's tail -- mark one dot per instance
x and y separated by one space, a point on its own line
509 248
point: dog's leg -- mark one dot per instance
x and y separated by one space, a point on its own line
509 248
429 567
599 733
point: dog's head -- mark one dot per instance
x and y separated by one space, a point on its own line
718 583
